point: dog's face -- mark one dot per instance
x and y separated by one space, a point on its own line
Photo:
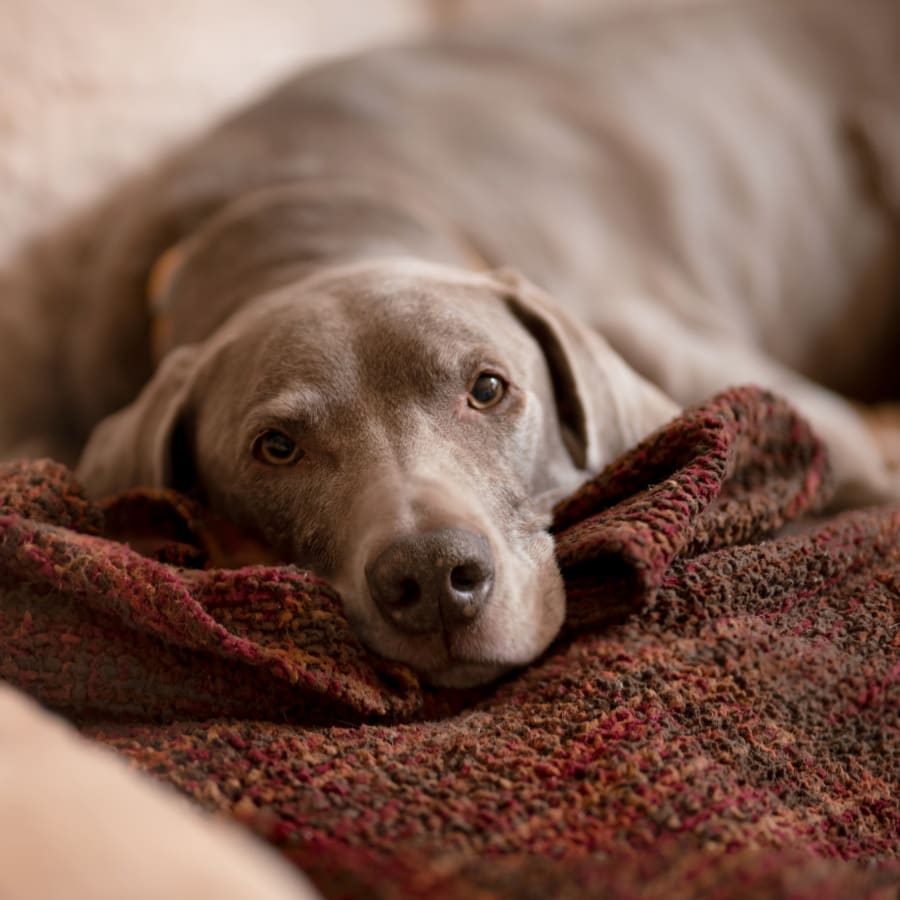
400 429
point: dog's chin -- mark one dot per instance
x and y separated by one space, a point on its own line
465 675
440 666
460 660
521 619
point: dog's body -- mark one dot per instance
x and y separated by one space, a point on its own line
714 191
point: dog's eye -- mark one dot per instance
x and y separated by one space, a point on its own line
274 448
487 391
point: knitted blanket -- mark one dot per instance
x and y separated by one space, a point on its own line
719 718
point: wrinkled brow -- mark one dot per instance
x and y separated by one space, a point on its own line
430 365
304 407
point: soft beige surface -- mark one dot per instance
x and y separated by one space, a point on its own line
76 824
90 89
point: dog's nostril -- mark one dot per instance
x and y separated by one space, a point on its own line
437 580
466 577
409 593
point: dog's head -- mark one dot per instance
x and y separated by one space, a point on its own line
403 430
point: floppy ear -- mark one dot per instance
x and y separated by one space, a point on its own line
273 236
603 405
144 443
873 133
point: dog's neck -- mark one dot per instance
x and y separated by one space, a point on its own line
281 235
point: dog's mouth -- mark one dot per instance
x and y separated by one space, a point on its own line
464 674
452 597
455 658
450 661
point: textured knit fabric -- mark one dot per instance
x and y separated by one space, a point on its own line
719 718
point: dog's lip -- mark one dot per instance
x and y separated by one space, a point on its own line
445 657
435 655
442 656
458 673
451 637
441 665
454 657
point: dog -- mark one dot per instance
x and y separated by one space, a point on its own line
309 317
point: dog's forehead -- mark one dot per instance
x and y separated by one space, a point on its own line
430 299
421 318
377 323
372 338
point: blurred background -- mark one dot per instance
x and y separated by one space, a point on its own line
93 88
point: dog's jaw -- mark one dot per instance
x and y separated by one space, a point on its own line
521 620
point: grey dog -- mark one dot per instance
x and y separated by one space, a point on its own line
310 318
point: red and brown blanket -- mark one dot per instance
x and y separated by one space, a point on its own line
719 718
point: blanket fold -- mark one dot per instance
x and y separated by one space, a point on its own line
721 712
90 626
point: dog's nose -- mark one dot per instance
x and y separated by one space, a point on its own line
440 579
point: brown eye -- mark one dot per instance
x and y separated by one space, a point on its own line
274 448
487 391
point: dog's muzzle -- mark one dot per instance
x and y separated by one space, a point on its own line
434 582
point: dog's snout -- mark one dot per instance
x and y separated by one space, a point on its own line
426 582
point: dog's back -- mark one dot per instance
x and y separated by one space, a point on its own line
700 155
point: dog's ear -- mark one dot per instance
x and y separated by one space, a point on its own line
603 405
145 444
873 135
275 236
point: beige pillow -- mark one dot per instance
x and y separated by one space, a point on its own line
77 824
